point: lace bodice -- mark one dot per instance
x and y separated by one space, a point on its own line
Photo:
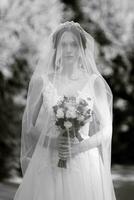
50 98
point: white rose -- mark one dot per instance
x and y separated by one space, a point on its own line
81 118
86 109
60 113
67 124
71 114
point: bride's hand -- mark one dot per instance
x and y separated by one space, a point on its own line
66 149
57 143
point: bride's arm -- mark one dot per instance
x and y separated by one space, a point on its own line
101 108
93 141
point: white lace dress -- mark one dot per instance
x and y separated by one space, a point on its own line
84 180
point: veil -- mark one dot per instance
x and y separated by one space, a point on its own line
45 90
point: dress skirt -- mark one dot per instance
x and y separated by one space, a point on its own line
83 179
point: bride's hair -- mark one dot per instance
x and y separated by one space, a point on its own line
69 27
76 30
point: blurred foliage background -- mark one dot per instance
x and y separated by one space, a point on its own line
24 24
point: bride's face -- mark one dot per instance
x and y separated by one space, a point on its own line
70 47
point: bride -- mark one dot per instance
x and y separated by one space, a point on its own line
67 123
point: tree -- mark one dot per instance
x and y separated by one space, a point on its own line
24 26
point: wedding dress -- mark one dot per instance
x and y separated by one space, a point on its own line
77 182
87 174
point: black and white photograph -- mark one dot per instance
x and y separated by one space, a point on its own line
66 100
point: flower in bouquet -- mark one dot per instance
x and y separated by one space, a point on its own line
71 112
67 124
81 118
60 113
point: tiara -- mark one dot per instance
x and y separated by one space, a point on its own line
71 23
68 24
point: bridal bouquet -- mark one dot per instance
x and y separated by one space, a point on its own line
71 113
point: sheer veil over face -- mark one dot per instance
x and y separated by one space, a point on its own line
69 47
66 67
